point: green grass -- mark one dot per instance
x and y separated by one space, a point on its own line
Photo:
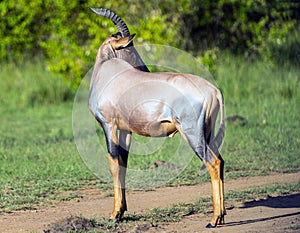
295 227
268 97
37 155
39 159
31 84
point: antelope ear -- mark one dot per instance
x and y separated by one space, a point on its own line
123 42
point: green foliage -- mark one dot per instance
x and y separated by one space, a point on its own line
286 51
238 25
68 34
18 29
210 60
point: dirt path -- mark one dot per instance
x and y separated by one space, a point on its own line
271 215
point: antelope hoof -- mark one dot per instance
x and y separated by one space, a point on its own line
209 225
117 215
221 220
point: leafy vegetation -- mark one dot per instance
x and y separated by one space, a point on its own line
68 34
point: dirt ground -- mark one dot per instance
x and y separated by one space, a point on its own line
274 214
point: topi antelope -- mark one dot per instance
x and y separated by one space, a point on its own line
125 100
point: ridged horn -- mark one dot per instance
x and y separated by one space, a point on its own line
120 24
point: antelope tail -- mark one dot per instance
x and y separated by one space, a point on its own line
218 139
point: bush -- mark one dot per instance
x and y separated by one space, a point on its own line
287 50
68 34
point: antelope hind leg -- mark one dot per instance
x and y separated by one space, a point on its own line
223 209
215 169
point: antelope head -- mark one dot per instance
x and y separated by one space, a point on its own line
129 54
114 46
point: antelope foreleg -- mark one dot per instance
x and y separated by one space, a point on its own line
117 173
118 165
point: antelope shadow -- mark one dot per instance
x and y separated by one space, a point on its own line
280 202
